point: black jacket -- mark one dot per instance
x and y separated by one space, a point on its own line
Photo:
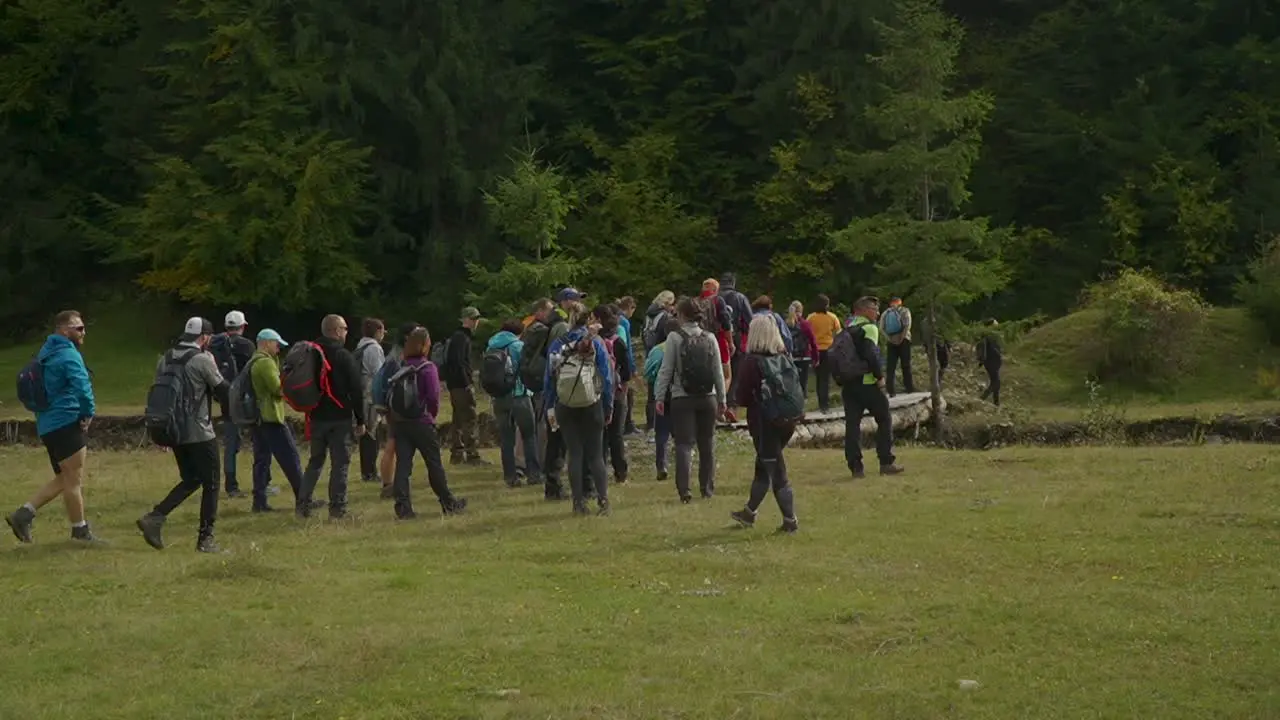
344 380
457 361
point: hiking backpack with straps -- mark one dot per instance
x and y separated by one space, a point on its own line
699 359
380 385
497 372
781 396
440 353
404 401
578 382
220 347
848 367
305 377
893 324
652 333
243 399
31 390
167 412
799 342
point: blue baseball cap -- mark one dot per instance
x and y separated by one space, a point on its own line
269 334
569 294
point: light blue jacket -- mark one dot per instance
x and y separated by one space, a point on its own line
67 384
624 332
515 349
603 365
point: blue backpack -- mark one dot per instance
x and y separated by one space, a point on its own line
380 385
893 321
31 389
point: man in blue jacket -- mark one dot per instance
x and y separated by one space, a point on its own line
63 425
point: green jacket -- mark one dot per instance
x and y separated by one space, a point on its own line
265 376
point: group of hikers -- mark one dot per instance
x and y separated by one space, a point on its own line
562 383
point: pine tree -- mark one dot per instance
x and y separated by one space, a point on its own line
920 244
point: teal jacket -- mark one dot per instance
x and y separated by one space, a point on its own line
67 385
653 363
515 348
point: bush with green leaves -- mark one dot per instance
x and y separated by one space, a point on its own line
1259 291
1148 332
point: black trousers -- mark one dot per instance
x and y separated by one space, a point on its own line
198 470
900 353
860 398
771 467
693 423
823 374
328 441
415 438
614 446
583 431
993 382
553 456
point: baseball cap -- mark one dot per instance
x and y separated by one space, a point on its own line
569 294
235 319
196 327
470 313
269 334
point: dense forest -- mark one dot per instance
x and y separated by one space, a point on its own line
309 154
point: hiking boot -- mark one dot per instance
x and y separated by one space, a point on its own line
388 493
263 508
151 525
708 494
619 479
744 517
555 495
521 474
603 509
84 535
686 499
370 479
580 508
20 523
893 469
789 526
455 506
236 494
405 512
512 482
533 481
339 513
662 476
478 461
206 544
859 472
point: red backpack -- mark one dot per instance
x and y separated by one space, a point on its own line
305 377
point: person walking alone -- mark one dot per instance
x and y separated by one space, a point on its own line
62 394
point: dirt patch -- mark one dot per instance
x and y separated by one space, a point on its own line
128 433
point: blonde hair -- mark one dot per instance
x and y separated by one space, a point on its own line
712 283
666 298
793 311
763 337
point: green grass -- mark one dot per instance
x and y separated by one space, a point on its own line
1068 583
1049 366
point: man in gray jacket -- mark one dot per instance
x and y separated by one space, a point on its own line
370 356
197 449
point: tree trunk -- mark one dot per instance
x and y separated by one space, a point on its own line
935 384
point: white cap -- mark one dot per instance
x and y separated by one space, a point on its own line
197 326
235 319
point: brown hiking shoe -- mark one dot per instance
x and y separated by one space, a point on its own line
894 469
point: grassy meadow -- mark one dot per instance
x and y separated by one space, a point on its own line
1072 583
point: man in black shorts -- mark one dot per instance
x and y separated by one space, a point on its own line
63 395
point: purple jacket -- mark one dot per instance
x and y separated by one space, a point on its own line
428 388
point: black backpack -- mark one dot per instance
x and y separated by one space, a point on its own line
799 342
699 358
403 399
220 347
167 413
243 405
848 366
497 373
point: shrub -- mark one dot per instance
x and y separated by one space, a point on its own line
1259 290
1147 331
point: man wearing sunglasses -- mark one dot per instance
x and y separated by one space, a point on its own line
63 424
